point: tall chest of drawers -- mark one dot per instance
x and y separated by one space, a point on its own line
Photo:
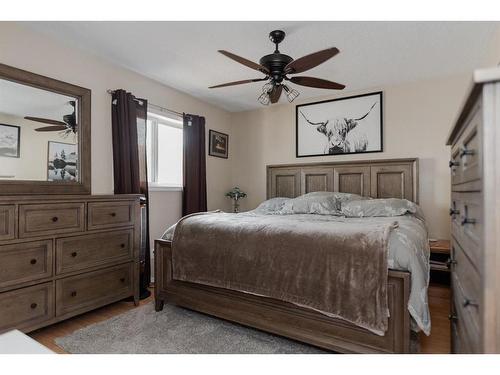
475 218
64 255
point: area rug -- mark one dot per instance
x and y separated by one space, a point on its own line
175 330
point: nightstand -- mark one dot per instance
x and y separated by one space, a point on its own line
439 257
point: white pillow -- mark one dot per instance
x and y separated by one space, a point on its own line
379 208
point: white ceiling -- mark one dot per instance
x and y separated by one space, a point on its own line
184 55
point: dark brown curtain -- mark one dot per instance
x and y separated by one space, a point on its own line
129 119
194 198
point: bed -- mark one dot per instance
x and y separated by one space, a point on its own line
397 178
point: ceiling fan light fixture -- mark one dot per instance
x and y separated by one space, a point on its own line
267 88
291 94
264 98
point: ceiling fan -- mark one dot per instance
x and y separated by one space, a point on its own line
277 66
68 124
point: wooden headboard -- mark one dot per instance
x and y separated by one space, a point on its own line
389 178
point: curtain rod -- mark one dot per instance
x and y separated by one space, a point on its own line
157 107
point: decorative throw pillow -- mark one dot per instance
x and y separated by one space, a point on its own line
271 206
378 207
322 203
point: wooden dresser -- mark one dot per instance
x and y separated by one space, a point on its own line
64 255
475 218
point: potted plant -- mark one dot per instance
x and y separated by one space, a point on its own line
236 194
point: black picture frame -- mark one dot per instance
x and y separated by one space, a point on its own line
18 155
213 143
381 125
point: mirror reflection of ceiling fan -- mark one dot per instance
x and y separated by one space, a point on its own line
68 124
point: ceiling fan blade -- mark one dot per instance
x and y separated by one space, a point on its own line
54 128
317 83
239 82
310 61
275 93
45 120
245 62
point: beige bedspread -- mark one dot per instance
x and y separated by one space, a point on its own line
284 259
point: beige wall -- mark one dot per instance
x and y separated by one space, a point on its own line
493 58
417 118
25 49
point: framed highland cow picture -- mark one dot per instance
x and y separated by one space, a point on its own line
351 125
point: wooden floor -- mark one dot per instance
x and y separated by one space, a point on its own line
437 342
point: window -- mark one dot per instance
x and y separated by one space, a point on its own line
164 149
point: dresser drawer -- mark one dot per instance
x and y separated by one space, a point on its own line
460 341
466 223
94 289
467 313
26 307
466 274
7 222
470 150
76 253
110 214
55 218
25 262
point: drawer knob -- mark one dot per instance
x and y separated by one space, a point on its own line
452 317
122 245
73 293
113 214
74 254
453 163
33 305
122 279
466 152
466 220
33 261
454 212
469 302
55 219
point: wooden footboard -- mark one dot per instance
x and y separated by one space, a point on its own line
284 318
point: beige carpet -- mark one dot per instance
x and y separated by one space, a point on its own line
177 331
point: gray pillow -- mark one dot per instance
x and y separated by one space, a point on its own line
271 206
319 202
378 208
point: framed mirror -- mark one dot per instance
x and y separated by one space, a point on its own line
44 135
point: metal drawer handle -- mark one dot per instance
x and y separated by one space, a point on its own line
452 317
454 212
113 214
469 302
122 279
122 245
33 305
33 261
55 218
73 293
74 254
466 220
466 152
453 163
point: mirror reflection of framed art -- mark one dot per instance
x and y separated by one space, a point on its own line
10 136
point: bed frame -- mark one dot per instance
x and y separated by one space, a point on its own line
396 178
